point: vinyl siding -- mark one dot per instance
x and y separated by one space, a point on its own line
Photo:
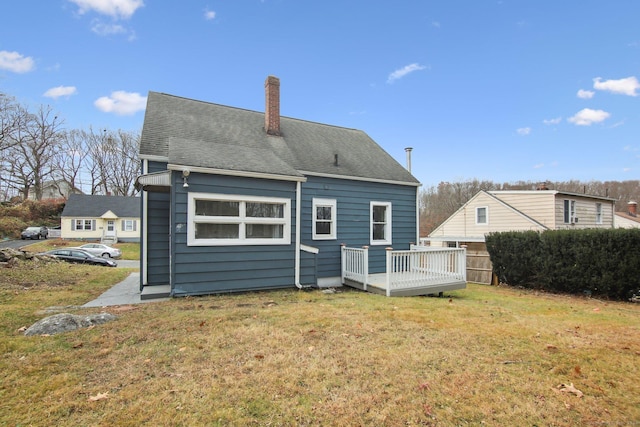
212 269
157 244
535 204
585 212
353 224
500 218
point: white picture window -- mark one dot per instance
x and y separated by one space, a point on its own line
482 215
324 219
380 223
221 219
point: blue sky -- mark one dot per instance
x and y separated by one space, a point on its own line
503 90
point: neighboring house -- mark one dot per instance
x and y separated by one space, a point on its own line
105 218
629 219
238 200
55 190
517 210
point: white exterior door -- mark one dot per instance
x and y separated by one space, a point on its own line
111 229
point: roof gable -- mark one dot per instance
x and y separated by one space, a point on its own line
186 132
479 199
94 206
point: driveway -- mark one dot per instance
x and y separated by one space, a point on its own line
15 244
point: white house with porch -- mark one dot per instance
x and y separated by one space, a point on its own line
109 219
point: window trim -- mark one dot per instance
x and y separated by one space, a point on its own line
285 221
388 222
91 221
486 215
129 225
331 203
599 219
569 211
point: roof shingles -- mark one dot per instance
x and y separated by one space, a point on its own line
194 133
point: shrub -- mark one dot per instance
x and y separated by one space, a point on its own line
598 262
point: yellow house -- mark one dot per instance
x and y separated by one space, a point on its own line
108 219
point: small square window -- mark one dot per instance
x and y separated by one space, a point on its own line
324 219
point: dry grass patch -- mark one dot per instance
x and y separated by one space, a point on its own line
486 355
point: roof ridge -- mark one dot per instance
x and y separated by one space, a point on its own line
254 111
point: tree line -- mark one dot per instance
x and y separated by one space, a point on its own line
36 148
439 202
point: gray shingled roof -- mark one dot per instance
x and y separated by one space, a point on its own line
92 206
194 133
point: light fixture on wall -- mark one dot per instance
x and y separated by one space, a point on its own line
185 174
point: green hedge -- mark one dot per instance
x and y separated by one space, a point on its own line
598 262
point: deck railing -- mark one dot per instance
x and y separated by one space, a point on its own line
418 267
355 264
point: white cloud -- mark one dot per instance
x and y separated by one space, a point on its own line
524 131
13 61
552 121
587 117
209 14
57 92
538 166
626 86
103 29
123 9
585 94
400 73
121 103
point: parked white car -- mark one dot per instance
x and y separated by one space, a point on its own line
99 249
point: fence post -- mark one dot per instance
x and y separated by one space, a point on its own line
365 266
389 270
343 259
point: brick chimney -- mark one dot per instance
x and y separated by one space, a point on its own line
633 208
272 109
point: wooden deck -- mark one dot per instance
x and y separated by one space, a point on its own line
419 271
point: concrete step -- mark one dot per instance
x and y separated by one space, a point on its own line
155 291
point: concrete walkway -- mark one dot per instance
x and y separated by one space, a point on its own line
123 293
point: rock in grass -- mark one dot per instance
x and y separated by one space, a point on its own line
65 322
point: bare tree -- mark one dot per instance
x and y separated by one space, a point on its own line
8 120
124 163
98 167
70 159
33 145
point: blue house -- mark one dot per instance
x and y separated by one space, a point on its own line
239 200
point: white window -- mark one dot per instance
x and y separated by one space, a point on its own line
482 215
380 223
598 213
570 212
83 224
324 219
128 225
220 219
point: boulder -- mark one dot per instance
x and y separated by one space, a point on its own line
65 322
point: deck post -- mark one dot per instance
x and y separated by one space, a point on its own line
389 270
365 266
343 260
